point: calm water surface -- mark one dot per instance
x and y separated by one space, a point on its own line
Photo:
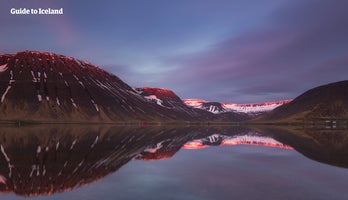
172 163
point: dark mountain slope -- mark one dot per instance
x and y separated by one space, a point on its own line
327 101
48 87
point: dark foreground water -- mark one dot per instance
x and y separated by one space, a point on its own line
172 163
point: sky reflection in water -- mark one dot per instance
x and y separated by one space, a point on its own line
242 172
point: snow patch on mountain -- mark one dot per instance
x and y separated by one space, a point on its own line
213 109
155 99
3 67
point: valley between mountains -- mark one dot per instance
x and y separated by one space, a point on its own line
50 88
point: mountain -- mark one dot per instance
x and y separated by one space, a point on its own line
326 101
47 87
168 99
41 86
253 109
161 96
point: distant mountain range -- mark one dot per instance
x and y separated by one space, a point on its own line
252 109
167 98
46 87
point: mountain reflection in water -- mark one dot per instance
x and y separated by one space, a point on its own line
43 160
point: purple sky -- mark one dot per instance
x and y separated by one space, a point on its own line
218 50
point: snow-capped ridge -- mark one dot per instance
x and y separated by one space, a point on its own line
194 102
161 92
161 96
255 107
251 108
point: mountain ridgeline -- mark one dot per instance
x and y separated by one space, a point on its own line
46 87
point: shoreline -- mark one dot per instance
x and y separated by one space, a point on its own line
327 123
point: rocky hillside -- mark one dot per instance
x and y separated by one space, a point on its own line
41 86
326 101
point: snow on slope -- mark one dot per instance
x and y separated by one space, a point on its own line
3 67
155 99
216 107
255 107
194 102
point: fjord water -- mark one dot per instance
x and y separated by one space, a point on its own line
167 162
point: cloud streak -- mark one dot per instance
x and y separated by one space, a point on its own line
304 47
